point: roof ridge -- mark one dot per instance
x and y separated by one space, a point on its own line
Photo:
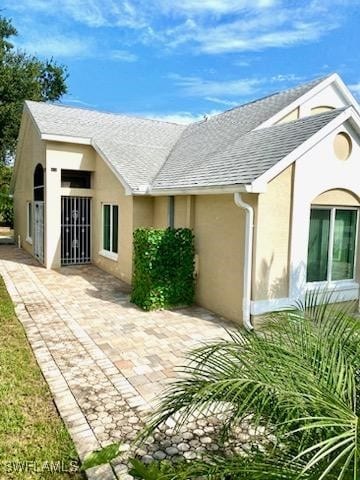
235 164
315 81
234 140
100 112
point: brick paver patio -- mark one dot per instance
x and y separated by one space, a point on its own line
105 360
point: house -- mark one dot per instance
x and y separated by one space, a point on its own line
270 188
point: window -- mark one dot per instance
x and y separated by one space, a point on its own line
110 228
29 222
332 243
39 183
75 179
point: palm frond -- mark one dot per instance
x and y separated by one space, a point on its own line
298 378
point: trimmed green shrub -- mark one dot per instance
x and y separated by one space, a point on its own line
163 268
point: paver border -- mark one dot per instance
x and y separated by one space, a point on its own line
69 410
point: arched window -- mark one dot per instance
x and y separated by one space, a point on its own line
332 237
39 183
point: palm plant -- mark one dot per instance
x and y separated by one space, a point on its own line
297 378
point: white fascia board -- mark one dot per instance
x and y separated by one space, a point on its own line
65 139
304 147
257 186
334 78
215 190
127 188
344 90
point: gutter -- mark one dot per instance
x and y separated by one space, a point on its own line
248 253
210 190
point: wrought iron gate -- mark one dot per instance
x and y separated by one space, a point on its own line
75 230
39 231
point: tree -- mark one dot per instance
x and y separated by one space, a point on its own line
22 77
6 203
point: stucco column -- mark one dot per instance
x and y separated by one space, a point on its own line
52 226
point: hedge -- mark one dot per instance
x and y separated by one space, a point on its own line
163 274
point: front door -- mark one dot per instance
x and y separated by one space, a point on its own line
39 231
75 230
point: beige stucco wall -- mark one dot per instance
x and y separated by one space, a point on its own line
32 152
293 115
218 226
108 189
219 240
181 216
160 217
272 239
143 212
184 206
337 197
67 156
320 109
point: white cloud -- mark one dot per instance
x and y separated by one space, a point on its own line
198 87
196 7
232 93
123 56
257 30
355 89
183 118
199 26
56 45
221 101
93 13
72 100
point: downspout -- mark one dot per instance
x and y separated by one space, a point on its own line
248 253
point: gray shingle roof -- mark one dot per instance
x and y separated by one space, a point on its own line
223 150
136 147
207 139
244 159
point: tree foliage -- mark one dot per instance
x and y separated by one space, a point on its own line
22 77
6 202
298 379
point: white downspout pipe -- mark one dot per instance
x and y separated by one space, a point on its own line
248 253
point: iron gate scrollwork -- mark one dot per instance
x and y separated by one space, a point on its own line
75 230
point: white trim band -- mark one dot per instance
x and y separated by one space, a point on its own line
109 255
342 292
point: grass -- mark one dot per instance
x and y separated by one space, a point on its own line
30 427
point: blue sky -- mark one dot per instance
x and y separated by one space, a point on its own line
180 59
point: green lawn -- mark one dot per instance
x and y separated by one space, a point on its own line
30 427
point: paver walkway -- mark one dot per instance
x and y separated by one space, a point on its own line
105 360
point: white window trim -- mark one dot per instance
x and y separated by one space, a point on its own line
103 252
28 226
329 284
107 254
